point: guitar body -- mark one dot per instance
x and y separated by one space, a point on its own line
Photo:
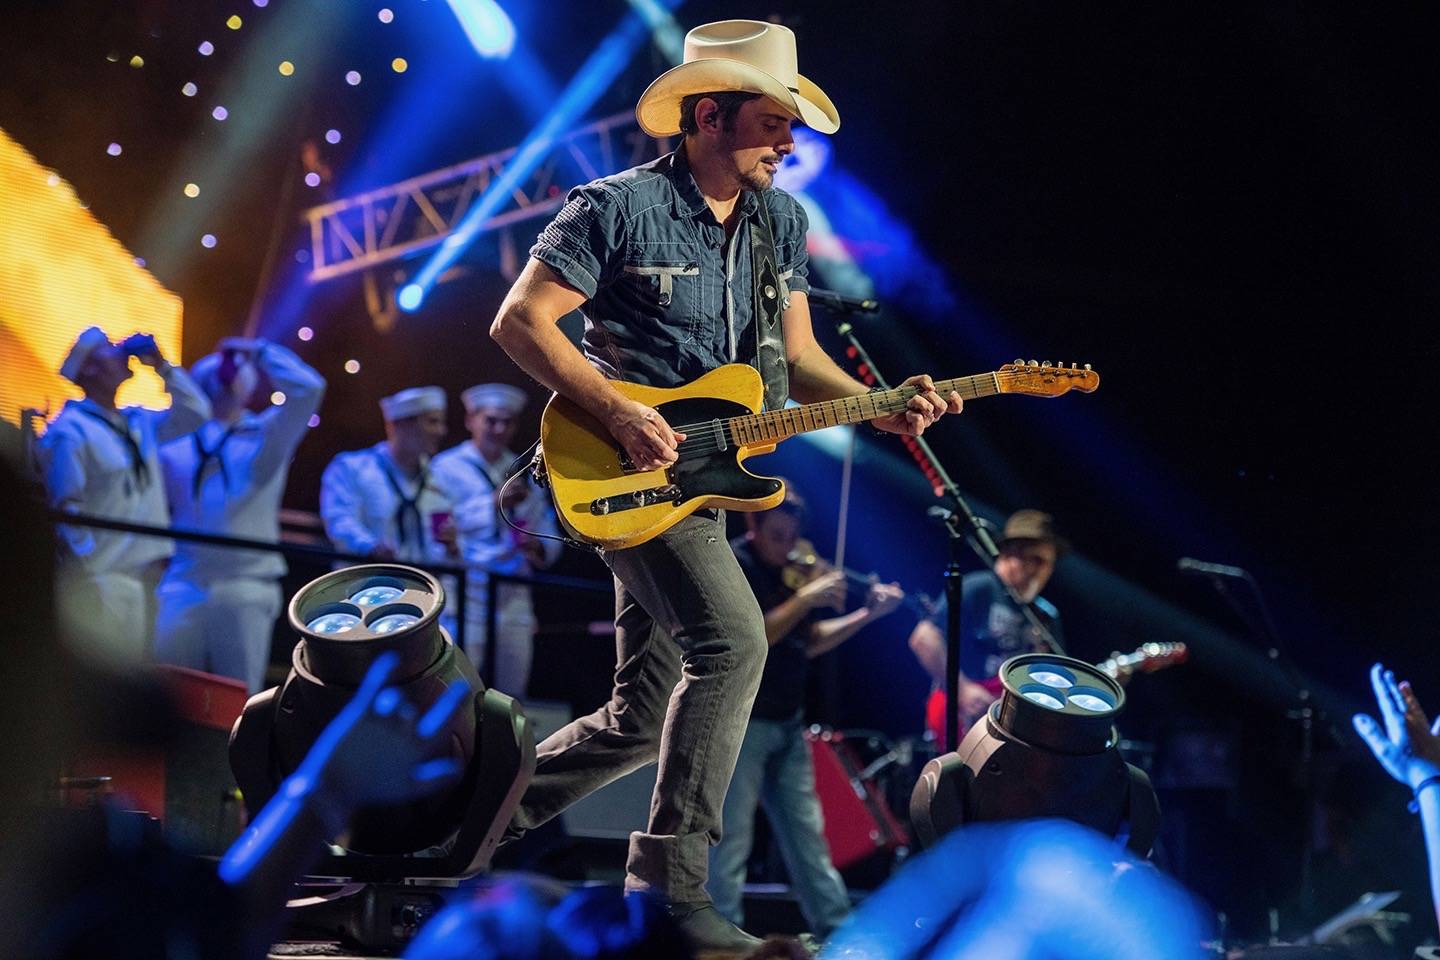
585 468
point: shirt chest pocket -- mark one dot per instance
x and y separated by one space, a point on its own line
659 278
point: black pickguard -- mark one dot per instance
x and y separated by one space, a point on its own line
718 473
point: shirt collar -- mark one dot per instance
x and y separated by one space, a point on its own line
689 201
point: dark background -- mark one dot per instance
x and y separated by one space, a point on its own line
1225 208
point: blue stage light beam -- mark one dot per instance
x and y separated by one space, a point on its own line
593 78
663 28
487 26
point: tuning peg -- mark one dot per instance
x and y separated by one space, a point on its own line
1072 366
1087 366
1034 363
1046 363
1019 362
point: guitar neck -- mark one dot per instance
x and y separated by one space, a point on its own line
773 426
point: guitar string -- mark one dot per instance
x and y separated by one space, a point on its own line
710 436
689 427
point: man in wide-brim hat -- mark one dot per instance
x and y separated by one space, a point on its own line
662 261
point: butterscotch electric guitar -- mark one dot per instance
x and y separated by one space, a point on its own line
602 499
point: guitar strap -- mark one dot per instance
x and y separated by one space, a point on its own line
769 330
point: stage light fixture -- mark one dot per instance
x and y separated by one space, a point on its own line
1045 748
410 297
344 620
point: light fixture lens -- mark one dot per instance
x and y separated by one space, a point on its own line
393 622
1047 700
1092 702
1052 678
374 596
333 623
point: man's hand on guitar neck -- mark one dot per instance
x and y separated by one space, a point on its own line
923 409
644 434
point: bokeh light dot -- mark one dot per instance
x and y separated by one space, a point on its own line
286 68
262 3
314 420
113 149
312 179
192 190
305 333
352 366
353 78
137 61
53 179
139 261
208 241
332 136
399 65
206 48
234 23
190 89
386 15
219 113
302 255
278 398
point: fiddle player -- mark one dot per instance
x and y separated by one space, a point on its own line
774 767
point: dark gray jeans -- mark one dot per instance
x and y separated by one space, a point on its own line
689 650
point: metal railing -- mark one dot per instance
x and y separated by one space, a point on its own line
326 554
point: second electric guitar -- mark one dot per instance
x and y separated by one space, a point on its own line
602 499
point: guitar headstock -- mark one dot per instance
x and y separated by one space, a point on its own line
1036 379
1158 656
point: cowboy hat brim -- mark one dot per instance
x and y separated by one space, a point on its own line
659 108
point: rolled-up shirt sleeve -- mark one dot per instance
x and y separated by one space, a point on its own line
582 243
791 225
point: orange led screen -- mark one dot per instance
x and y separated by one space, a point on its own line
60 272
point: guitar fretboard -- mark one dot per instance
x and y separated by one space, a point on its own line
776 425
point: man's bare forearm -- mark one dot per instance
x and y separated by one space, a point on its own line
815 376
542 350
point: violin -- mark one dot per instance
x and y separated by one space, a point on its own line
804 564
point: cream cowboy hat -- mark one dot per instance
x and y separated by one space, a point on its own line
742 55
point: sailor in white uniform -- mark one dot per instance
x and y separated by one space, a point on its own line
475 470
217 605
385 502
102 460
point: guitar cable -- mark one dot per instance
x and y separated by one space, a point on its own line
513 472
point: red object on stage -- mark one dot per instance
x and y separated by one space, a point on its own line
187 780
858 823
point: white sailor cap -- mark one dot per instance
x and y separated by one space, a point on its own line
413 402
90 340
500 396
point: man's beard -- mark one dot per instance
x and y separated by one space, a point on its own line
756 179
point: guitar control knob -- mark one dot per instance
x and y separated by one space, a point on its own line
600 507
639 497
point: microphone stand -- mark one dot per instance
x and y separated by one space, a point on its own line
961 526
1262 627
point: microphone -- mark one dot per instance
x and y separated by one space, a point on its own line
1199 568
842 303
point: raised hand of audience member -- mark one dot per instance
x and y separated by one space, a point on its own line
1407 746
1024 890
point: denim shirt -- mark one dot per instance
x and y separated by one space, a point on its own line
668 298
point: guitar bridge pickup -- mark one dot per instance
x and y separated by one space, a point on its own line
669 493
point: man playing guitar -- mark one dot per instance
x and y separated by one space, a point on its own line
993 626
675 265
